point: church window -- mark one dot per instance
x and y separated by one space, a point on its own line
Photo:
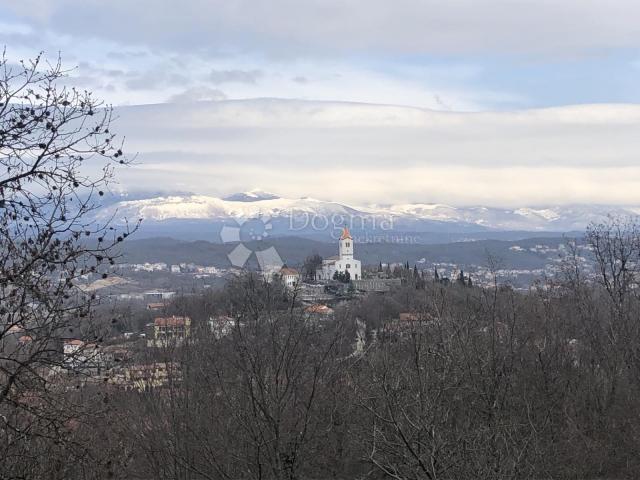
348 265
348 244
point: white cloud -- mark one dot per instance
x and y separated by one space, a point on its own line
218 77
375 154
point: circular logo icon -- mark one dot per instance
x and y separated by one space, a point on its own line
250 229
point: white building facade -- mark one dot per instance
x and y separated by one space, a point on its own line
344 262
289 276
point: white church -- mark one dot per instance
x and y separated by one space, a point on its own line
343 262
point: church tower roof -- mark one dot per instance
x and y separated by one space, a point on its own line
345 233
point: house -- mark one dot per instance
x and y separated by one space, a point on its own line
85 357
290 277
221 326
314 293
318 309
343 263
149 376
157 295
75 353
10 336
408 317
416 317
71 347
169 331
408 323
15 343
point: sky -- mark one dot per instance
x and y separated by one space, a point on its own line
493 102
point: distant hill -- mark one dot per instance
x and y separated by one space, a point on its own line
513 254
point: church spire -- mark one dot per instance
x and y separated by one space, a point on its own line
345 233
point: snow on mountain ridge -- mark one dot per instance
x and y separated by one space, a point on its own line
428 211
545 213
202 207
195 207
251 196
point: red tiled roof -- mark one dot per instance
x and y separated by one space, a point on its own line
318 308
288 271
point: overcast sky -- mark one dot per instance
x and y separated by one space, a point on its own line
536 70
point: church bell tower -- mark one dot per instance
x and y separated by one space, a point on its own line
345 248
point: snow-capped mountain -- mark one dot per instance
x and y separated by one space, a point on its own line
552 219
254 195
301 216
236 206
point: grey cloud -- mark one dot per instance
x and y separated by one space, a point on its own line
289 27
196 94
163 75
441 103
114 73
154 78
300 79
126 55
89 76
18 39
90 69
82 81
234 76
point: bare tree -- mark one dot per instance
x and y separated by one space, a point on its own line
57 158
311 264
612 326
252 399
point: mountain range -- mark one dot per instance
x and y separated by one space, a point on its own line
258 214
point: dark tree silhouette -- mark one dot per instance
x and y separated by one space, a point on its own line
57 158
311 264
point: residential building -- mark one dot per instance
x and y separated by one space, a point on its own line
221 326
169 331
148 376
157 295
318 309
289 276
